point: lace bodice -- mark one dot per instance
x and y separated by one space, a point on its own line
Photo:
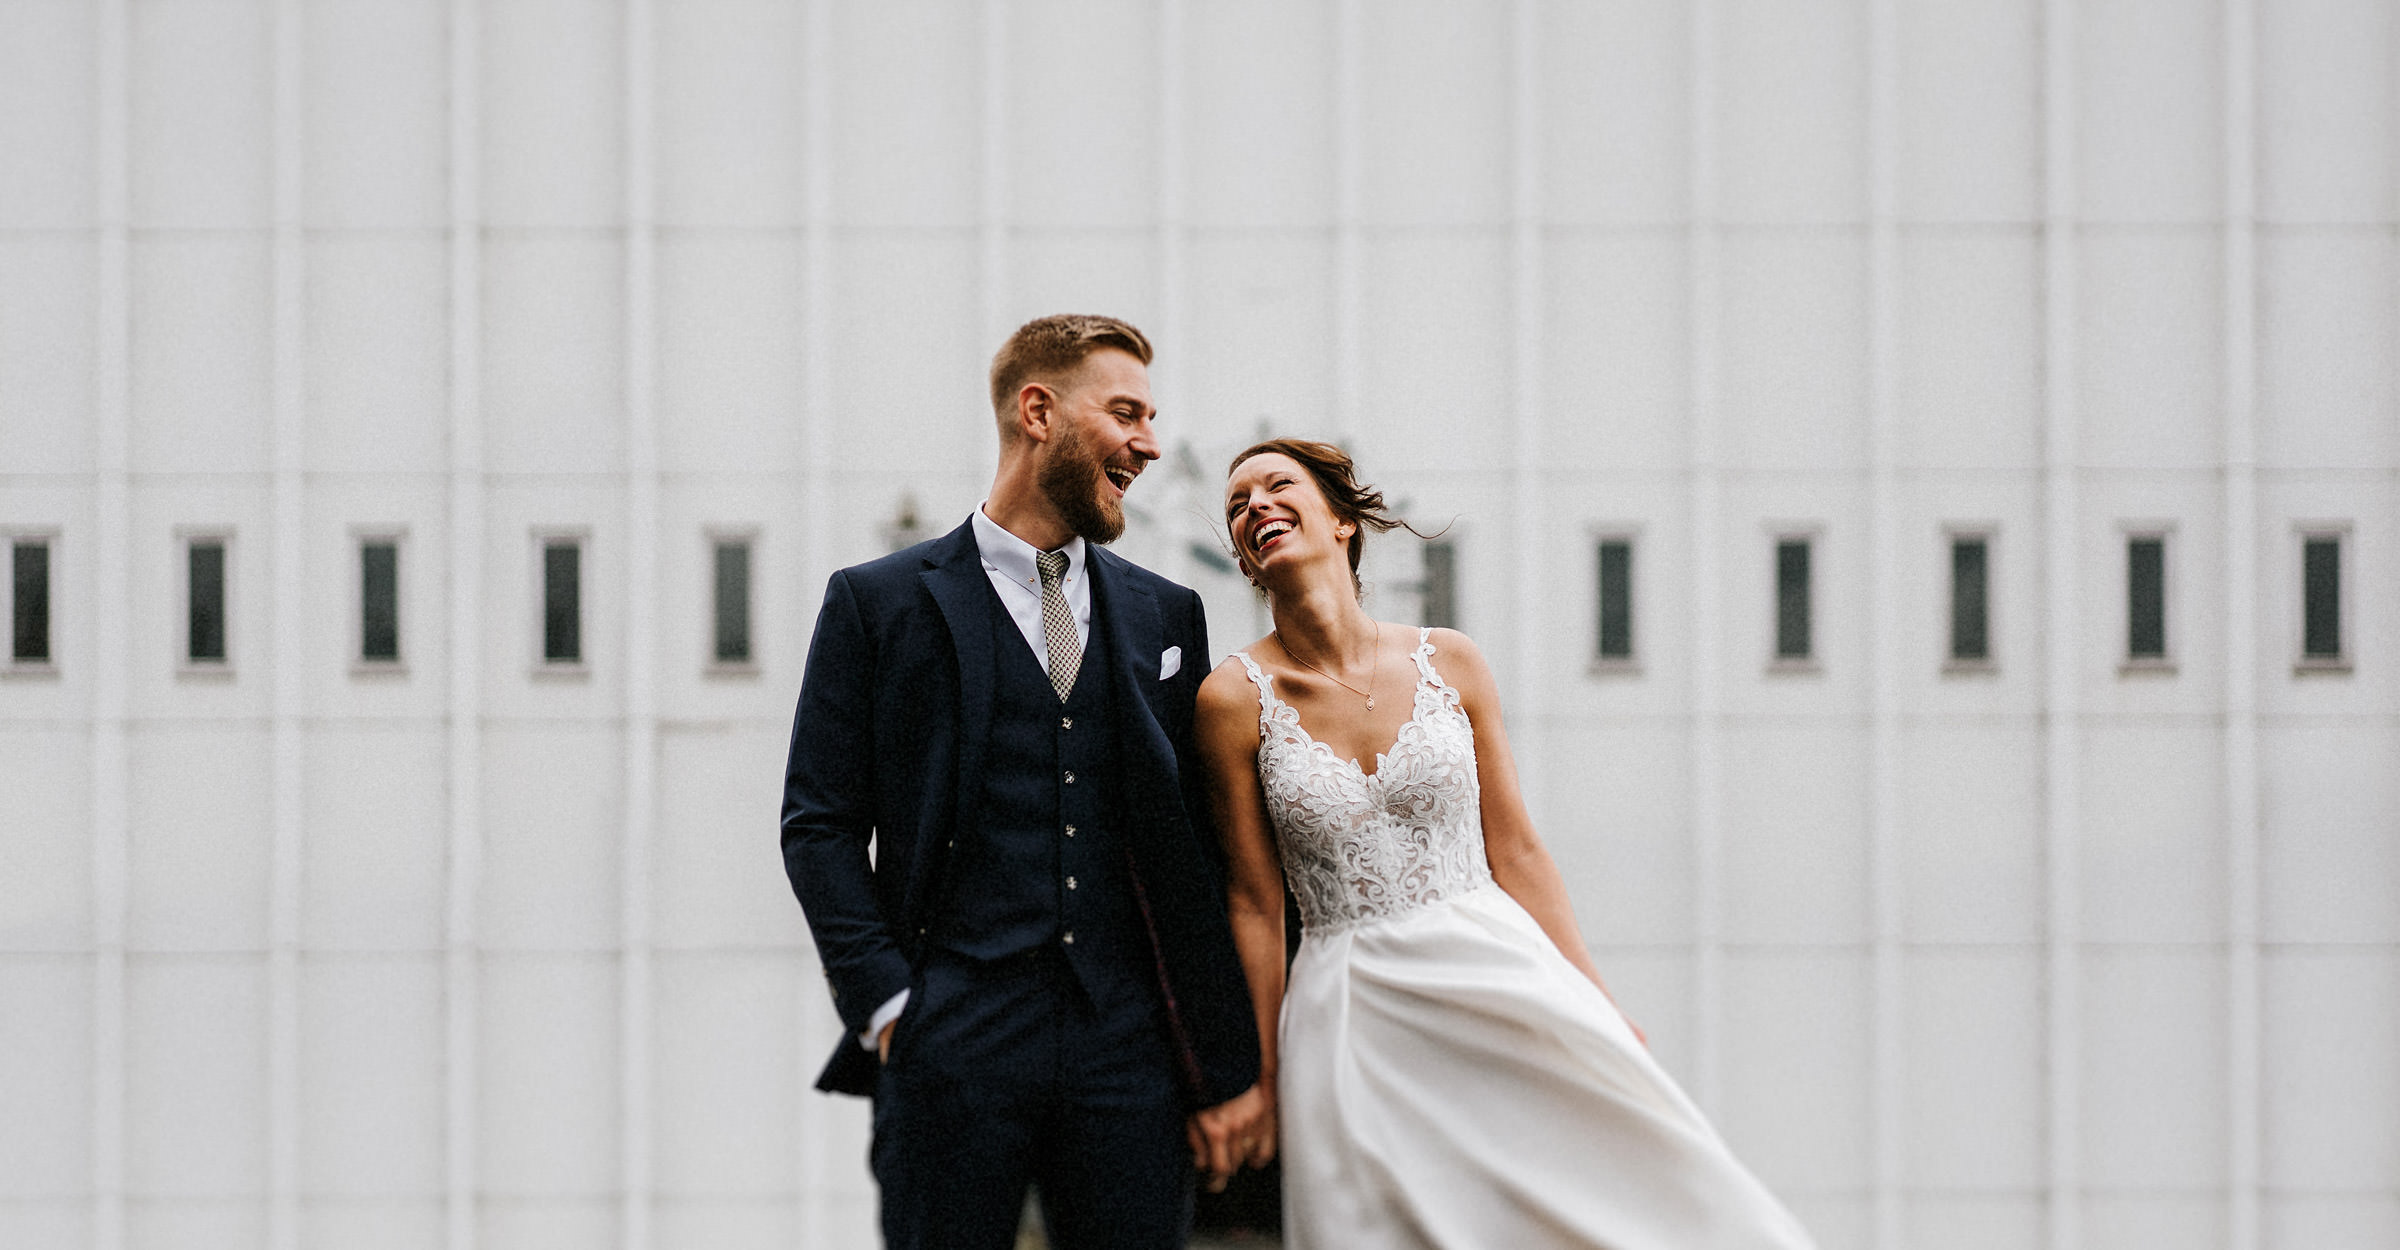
1359 847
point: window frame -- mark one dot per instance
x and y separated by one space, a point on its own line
2345 619
542 667
1987 533
712 538
360 664
1449 542
186 667
10 665
2128 533
1597 536
1811 533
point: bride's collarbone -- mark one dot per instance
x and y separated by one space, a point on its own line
1390 674
1339 720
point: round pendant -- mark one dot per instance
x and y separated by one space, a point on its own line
1370 704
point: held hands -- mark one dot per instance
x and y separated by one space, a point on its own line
1237 1133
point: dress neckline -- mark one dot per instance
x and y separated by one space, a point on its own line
1270 704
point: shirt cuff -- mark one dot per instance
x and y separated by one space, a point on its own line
888 1012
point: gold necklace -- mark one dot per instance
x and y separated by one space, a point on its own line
1369 693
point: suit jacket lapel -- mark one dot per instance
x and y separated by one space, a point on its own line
963 592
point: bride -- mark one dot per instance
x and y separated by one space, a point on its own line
1447 1067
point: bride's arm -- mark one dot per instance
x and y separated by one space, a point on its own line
1227 731
1520 863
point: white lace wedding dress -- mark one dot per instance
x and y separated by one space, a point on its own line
1448 1079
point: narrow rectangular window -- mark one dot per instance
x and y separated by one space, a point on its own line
562 601
1616 599
1970 599
29 584
733 602
379 600
1792 619
1440 603
204 628
2321 597
2146 597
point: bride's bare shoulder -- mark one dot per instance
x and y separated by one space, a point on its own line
1458 659
1449 642
1226 687
1226 716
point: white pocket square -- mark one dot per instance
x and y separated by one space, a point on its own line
1170 662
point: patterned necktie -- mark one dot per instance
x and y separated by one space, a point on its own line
1058 624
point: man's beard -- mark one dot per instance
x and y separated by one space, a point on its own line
1070 478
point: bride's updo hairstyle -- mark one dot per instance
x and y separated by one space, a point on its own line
1337 479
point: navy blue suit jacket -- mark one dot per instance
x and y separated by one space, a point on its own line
887 748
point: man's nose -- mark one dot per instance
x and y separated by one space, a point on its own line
1145 440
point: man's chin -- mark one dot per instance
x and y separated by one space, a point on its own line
1106 524
1090 505
1092 518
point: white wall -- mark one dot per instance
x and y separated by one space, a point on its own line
2053 956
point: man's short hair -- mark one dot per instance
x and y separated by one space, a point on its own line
1055 345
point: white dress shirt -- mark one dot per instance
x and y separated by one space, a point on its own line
1008 561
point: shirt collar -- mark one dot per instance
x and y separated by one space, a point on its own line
1012 556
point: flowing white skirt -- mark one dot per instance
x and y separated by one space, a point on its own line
1450 1080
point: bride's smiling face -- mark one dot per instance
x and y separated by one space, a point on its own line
1278 518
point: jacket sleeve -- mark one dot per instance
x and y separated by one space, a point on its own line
1191 773
1214 994
829 812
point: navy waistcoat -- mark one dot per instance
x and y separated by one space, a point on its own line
1045 862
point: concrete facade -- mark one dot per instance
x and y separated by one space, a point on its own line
473 951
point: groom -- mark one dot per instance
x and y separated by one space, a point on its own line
995 822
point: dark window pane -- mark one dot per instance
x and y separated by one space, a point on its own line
1441 585
562 602
1616 600
2321 598
31 580
379 601
1970 611
2146 598
205 636
733 602
1791 599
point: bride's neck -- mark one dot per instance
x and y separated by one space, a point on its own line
1323 623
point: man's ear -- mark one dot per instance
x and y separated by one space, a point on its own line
1036 405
